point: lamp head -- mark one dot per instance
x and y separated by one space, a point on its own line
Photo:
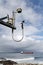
19 10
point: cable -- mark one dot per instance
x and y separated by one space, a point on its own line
22 33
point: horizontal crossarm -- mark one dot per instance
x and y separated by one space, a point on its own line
7 24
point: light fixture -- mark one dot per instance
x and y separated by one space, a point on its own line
11 23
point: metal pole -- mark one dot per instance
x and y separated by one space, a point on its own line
7 24
3 18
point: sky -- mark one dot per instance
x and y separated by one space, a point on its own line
32 14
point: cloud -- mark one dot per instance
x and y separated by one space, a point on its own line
28 30
37 37
33 17
28 13
30 43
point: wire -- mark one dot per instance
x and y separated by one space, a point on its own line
22 34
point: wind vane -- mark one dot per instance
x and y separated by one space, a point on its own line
11 23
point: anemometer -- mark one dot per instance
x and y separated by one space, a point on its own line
11 23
